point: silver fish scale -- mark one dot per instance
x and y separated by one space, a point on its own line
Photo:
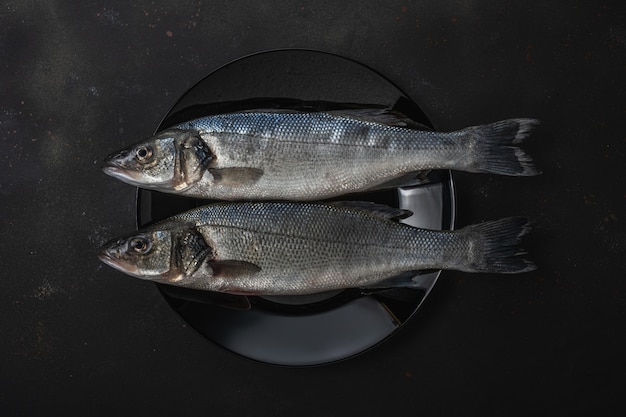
313 128
305 248
342 154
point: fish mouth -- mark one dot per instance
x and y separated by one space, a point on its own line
108 259
132 177
112 170
114 166
115 171
110 256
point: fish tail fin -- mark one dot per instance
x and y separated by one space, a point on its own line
493 148
494 246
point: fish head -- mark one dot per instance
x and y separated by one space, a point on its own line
170 252
144 255
170 161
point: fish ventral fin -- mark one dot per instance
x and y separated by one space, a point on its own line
381 116
408 279
411 179
236 176
379 210
494 246
233 302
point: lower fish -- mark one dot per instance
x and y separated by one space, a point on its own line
289 248
289 155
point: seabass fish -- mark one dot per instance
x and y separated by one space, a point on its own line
288 248
287 155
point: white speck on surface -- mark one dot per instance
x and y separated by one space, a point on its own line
45 291
112 16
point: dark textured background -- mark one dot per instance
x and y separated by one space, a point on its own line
80 79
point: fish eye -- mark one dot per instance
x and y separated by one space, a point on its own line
140 244
143 153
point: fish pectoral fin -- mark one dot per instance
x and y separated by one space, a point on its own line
379 210
236 176
230 269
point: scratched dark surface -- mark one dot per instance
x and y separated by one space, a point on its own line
80 79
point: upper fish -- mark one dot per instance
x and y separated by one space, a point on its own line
292 155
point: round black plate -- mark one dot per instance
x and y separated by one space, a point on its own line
316 329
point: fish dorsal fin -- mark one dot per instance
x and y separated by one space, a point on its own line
384 116
379 210
269 110
381 116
